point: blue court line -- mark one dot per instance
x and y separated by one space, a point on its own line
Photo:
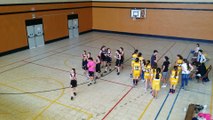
167 98
161 106
173 104
176 96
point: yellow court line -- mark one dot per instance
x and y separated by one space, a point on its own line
147 106
90 115
47 107
66 64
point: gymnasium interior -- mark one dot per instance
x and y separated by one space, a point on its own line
42 40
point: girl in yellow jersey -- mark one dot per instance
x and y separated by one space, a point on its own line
174 77
156 82
152 73
134 56
136 71
147 70
179 62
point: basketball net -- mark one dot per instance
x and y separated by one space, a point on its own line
134 18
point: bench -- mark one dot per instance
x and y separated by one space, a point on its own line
190 112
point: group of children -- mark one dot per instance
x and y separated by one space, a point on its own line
92 67
149 72
146 70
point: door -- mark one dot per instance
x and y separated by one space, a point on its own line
75 28
70 28
39 35
31 35
35 33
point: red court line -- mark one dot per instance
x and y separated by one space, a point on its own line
117 103
116 82
78 74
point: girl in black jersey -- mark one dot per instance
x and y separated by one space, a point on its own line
73 83
108 60
84 62
118 61
122 56
98 67
102 54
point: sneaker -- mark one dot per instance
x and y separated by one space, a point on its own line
96 77
105 71
170 90
89 84
71 98
118 73
75 93
110 70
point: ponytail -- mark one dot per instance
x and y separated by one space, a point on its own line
176 72
147 63
158 73
187 63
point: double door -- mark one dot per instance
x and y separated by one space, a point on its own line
73 26
35 33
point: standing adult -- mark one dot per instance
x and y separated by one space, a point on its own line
186 70
154 58
165 69
201 58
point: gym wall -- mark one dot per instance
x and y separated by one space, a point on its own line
54 15
184 20
36 1
172 19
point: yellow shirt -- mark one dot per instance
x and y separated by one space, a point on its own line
140 59
134 56
136 67
179 62
172 76
148 68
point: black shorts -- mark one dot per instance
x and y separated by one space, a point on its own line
122 60
73 83
98 68
108 59
91 74
103 57
84 65
118 63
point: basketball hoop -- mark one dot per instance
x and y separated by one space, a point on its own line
134 17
